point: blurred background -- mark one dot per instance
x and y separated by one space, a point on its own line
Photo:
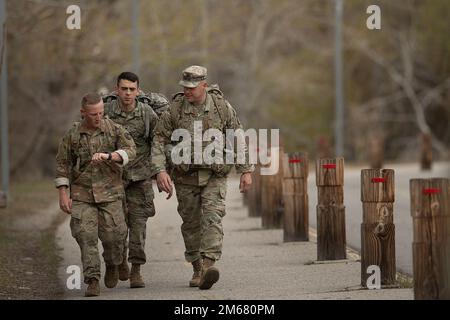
274 61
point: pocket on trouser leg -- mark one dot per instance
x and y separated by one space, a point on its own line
113 222
112 232
75 219
221 205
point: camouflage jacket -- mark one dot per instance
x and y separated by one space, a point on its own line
88 181
134 122
183 117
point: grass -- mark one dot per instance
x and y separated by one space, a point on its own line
29 256
404 281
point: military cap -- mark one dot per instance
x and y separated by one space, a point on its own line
192 76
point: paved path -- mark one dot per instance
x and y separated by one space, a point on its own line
256 264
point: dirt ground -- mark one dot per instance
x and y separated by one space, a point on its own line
29 256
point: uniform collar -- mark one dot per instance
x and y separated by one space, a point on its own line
119 111
190 108
102 128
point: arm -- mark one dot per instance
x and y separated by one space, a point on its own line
126 149
161 138
63 173
153 123
245 169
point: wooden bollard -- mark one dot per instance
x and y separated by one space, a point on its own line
295 197
430 211
280 200
254 197
331 239
377 228
271 200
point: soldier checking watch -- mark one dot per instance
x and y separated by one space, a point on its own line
114 156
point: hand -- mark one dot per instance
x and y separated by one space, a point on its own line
246 182
65 203
164 183
100 157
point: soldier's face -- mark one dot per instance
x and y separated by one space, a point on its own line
92 115
196 95
127 91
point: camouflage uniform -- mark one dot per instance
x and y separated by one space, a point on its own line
200 189
96 191
137 174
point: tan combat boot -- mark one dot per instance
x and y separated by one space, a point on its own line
135 277
111 276
93 289
197 266
124 270
210 274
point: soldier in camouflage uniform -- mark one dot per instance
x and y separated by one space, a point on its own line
89 163
139 120
200 189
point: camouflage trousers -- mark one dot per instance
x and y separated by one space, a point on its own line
138 208
91 221
202 208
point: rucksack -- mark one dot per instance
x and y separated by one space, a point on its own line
156 101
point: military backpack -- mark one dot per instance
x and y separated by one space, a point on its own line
156 101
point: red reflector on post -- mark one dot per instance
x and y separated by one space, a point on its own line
295 160
431 191
329 166
378 180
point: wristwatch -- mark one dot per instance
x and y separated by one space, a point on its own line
109 156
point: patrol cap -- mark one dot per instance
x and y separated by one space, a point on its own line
192 76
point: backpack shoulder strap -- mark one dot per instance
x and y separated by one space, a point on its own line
74 134
108 102
146 114
219 103
175 108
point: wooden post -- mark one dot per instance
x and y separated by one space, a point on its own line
430 210
377 228
279 217
271 197
254 197
295 197
331 239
